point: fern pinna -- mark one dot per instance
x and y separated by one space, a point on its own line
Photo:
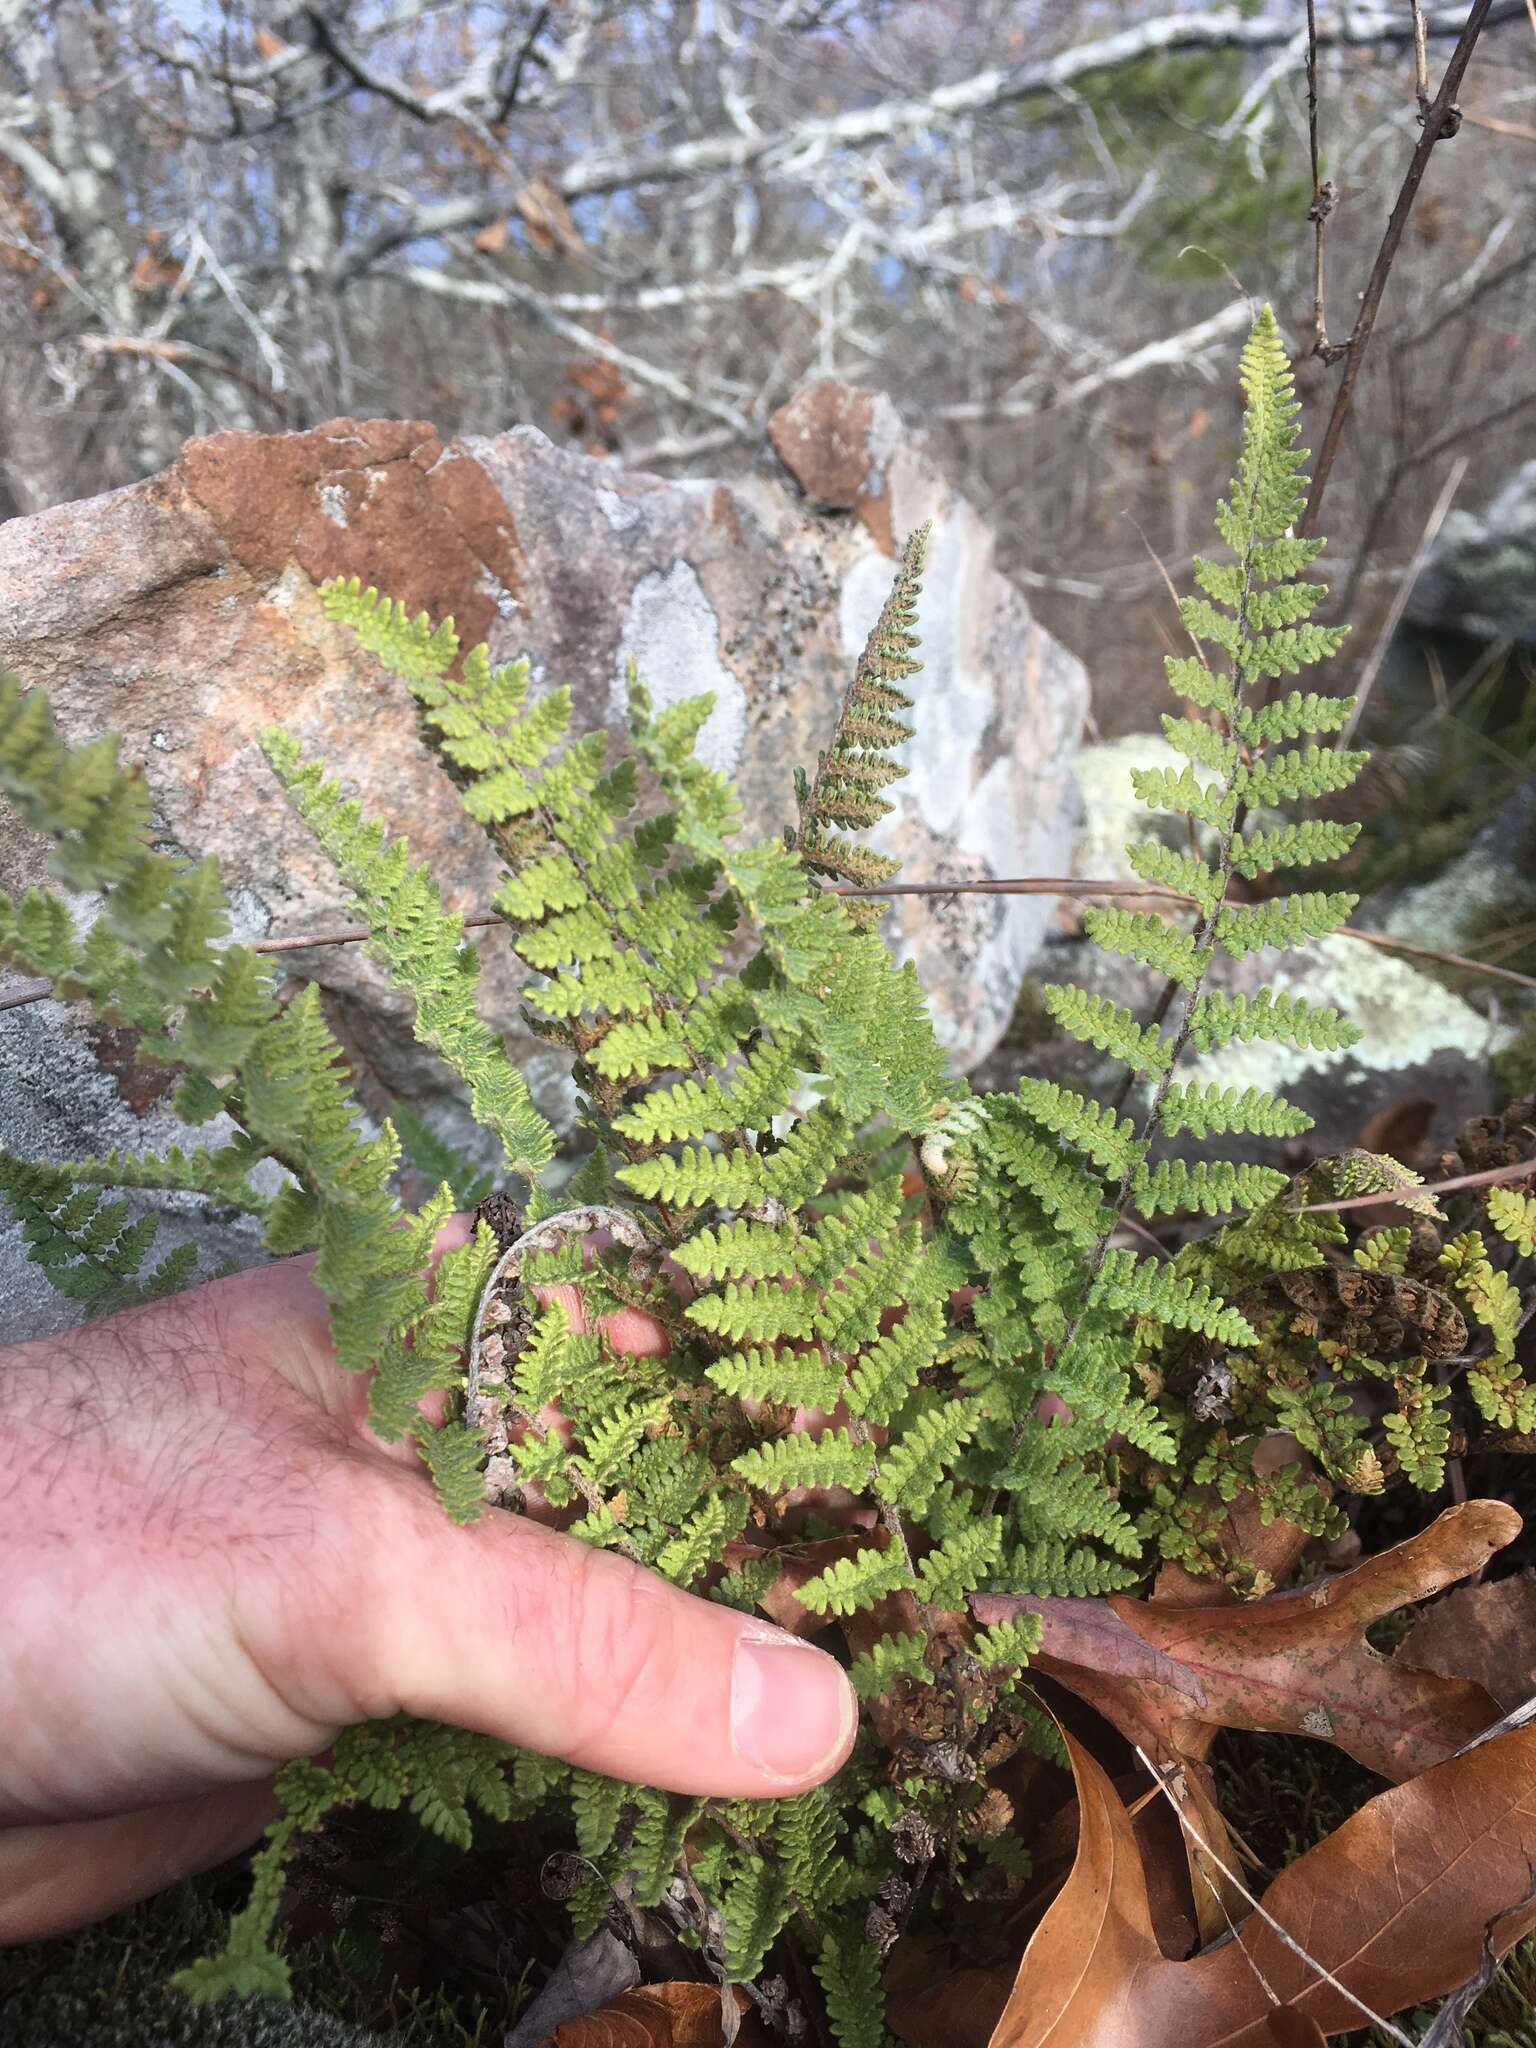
910 1299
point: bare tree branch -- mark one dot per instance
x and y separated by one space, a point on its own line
1181 348
1440 121
510 291
806 141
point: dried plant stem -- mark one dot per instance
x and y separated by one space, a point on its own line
1008 885
547 1236
1491 1177
1366 680
1420 59
1323 201
1440 120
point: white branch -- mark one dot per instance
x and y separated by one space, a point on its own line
793 278
1184 347
807 141
35 167
509 292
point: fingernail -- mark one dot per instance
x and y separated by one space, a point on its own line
792 1708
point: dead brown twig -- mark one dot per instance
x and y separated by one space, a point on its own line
1441 119
1007 885
1491 1177
1366 681
1324 199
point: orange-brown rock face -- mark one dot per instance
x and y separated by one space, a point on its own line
182 612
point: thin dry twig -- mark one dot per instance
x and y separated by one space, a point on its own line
1490 1177
1420 60
1006 885
1441 119
1324 199
1366 681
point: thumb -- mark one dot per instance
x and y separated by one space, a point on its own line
517 1631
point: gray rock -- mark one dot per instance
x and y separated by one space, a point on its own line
1481 574
1490 886
1421 1039
587 1977
71 1092
182 613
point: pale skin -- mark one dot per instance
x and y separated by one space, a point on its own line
209 1565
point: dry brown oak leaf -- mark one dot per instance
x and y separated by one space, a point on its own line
678 2015
1395 1904
1296 1663
1487 1633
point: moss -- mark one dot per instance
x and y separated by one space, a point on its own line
1283 1795
108 1987
1515 1067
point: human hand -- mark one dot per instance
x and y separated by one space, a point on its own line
208 1565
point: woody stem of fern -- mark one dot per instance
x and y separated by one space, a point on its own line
596 1505
890 1516
1205 953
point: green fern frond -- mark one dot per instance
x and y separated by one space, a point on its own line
1106 1138
844 792
97 813
1300 772
438 1773
850 1973
1244 928
1198 742
1184 872
1011 1642
1208 803
915 1464
1490 1294
423 948
832 1459
1199 684
1291 846
1384 1251
1292 716
1513 1216
755 1905
1212 1187
1202 1108
1108 1025
412 648
1141 936
596 1803
953 1570
900 1656
850 1583
1052 1566
1218 1020
1150 1289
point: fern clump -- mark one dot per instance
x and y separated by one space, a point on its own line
873 1282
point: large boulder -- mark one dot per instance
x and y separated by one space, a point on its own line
1480 578
1422 1044
182 612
